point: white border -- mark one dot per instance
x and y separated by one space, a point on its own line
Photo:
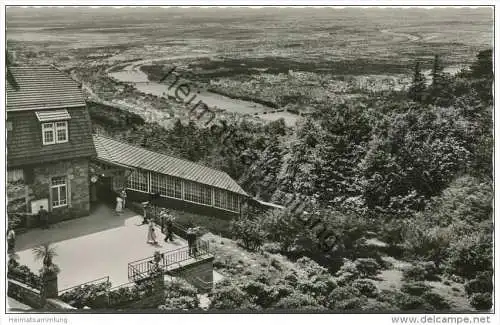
245 3
222 319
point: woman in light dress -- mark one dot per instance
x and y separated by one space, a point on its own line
151 233
119 205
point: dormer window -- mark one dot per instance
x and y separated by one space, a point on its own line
54 126
56 132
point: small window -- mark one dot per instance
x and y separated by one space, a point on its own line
15 175
55 132
62 131
48 133
59 191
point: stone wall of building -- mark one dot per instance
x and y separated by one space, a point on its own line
77 173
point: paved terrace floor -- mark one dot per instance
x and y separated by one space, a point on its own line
96 246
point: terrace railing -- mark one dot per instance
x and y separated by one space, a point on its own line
146 267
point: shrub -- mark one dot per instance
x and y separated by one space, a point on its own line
388 296
436 301
272 248
366 287
310 267
276 264
264 277
123 296
23 274
249 231
342 293
283 290
298 301
430 270
227 296
470 255
317 286
180 295
367 267
415 288
410 302
483 283
91 295
291 277
346 298
259 293
348 272
416 272
456 278
379 306
481 301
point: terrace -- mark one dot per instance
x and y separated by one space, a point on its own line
104 245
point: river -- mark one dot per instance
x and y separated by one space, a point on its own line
133 75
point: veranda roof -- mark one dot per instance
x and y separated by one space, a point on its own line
113 151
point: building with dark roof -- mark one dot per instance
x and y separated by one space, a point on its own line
49 143
178 183
53 160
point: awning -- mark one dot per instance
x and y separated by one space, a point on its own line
48 116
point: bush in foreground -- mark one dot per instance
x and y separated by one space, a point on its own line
366 288
482 283
367 267
415 288
481 301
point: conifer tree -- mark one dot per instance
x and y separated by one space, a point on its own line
437 79
9 61
417 89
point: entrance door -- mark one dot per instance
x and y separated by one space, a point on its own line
105 191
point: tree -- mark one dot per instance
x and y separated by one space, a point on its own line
418 87
49 270
437 72
9 61
249 230
439 89
46 254
483 66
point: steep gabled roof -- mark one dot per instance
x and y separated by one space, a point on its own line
41 87
114 151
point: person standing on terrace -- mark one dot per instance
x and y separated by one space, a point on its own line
151 233
170 227
123 195
43 216
11 240
191 238
119 205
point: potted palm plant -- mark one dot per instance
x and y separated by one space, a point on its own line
49 270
